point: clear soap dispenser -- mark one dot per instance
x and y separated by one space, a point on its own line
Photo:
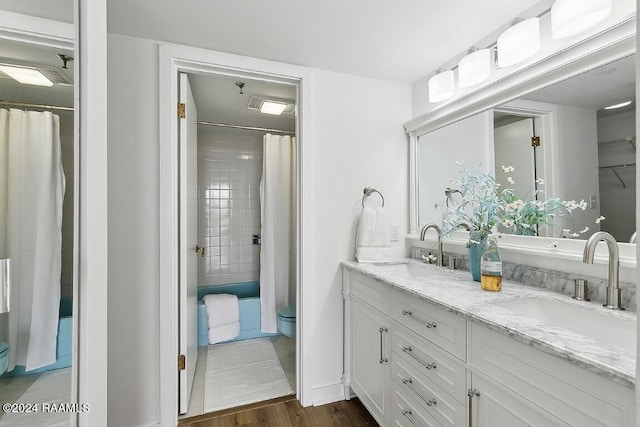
491 267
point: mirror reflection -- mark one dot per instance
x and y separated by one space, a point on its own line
36 228
574 141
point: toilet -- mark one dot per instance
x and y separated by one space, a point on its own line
4 356
287 321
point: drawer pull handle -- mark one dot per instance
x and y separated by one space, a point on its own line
409 383
409 350
407 413
382 358
429 325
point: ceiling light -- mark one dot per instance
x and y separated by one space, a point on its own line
475 67
441 86
275 108
26 75
570 17
613 107
520 42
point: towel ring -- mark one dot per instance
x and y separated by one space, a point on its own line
449 192
368 191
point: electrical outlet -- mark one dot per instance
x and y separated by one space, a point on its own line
593 201
395 232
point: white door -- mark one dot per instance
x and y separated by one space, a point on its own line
188 284
512 146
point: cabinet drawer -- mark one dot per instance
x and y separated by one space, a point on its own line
406 412
369 290
438 403
442 328
570 393
439 366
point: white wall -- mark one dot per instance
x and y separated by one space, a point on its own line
133 293
358 141
618 204
578 160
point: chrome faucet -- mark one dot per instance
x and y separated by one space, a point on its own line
440 259
613 300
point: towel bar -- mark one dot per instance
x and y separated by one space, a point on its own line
368 191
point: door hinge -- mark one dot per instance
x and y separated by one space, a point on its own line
182 110
182 362
535 141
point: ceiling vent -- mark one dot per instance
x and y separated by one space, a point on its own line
256 102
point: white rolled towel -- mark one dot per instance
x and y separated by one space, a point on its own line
223 314
225 332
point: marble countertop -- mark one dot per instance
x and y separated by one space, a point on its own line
455 291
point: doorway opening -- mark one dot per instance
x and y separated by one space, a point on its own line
238 240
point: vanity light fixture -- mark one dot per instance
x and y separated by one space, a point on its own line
519 42
570 17
26 75
620 105
275 108
441 86
475 67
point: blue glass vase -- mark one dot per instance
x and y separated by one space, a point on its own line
477 241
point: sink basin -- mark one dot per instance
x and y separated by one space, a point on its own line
410 270
609 327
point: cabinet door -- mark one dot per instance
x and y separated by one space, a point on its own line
369 357
494 406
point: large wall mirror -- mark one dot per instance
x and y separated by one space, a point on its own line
38 221
586 130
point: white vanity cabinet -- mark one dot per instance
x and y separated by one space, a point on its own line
367 330
428 354
413 363
523 386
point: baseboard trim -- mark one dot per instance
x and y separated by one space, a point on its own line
327 394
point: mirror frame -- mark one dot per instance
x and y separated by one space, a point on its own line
614 43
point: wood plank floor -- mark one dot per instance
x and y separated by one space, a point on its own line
287 412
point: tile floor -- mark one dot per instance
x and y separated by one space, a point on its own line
285 349
11 388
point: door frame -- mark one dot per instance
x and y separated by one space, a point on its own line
174 59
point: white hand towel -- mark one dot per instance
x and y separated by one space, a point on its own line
382 234
373 243
367 226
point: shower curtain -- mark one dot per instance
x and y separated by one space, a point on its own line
32 185
277 215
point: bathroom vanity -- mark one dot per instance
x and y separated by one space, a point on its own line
425 346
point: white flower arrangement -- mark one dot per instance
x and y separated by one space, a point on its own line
483 205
